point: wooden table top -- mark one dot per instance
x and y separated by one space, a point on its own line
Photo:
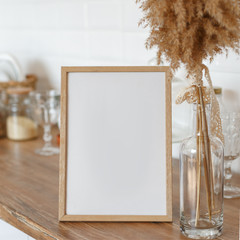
29 201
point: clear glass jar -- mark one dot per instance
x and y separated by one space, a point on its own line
201 183
2 114
20 123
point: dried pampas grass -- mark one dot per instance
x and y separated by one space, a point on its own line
190 31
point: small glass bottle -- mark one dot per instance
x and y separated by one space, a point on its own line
201 182
218 93
20 123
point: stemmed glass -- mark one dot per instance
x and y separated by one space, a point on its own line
46 109
231 132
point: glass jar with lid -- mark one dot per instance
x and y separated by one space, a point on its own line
2 114
218 93
20 123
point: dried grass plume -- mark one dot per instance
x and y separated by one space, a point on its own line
190 31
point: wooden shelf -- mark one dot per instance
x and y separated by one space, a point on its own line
29 201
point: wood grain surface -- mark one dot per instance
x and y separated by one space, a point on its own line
29 201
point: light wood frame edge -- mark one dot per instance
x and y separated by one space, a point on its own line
63 148
168 105
116 218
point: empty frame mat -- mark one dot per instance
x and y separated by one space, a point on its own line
115 162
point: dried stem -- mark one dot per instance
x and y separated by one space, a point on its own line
199 154
206 152
211 170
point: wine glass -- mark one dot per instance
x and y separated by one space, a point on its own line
46 111
231 132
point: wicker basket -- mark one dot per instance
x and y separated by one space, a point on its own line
30 81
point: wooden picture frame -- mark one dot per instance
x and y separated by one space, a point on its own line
81 89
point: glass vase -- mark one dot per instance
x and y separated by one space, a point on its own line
201 180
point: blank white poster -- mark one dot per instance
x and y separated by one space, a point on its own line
116 144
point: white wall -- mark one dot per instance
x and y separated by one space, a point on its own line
47 34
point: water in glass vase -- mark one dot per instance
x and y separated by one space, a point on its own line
201 182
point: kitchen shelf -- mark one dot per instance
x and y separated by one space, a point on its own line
29 202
